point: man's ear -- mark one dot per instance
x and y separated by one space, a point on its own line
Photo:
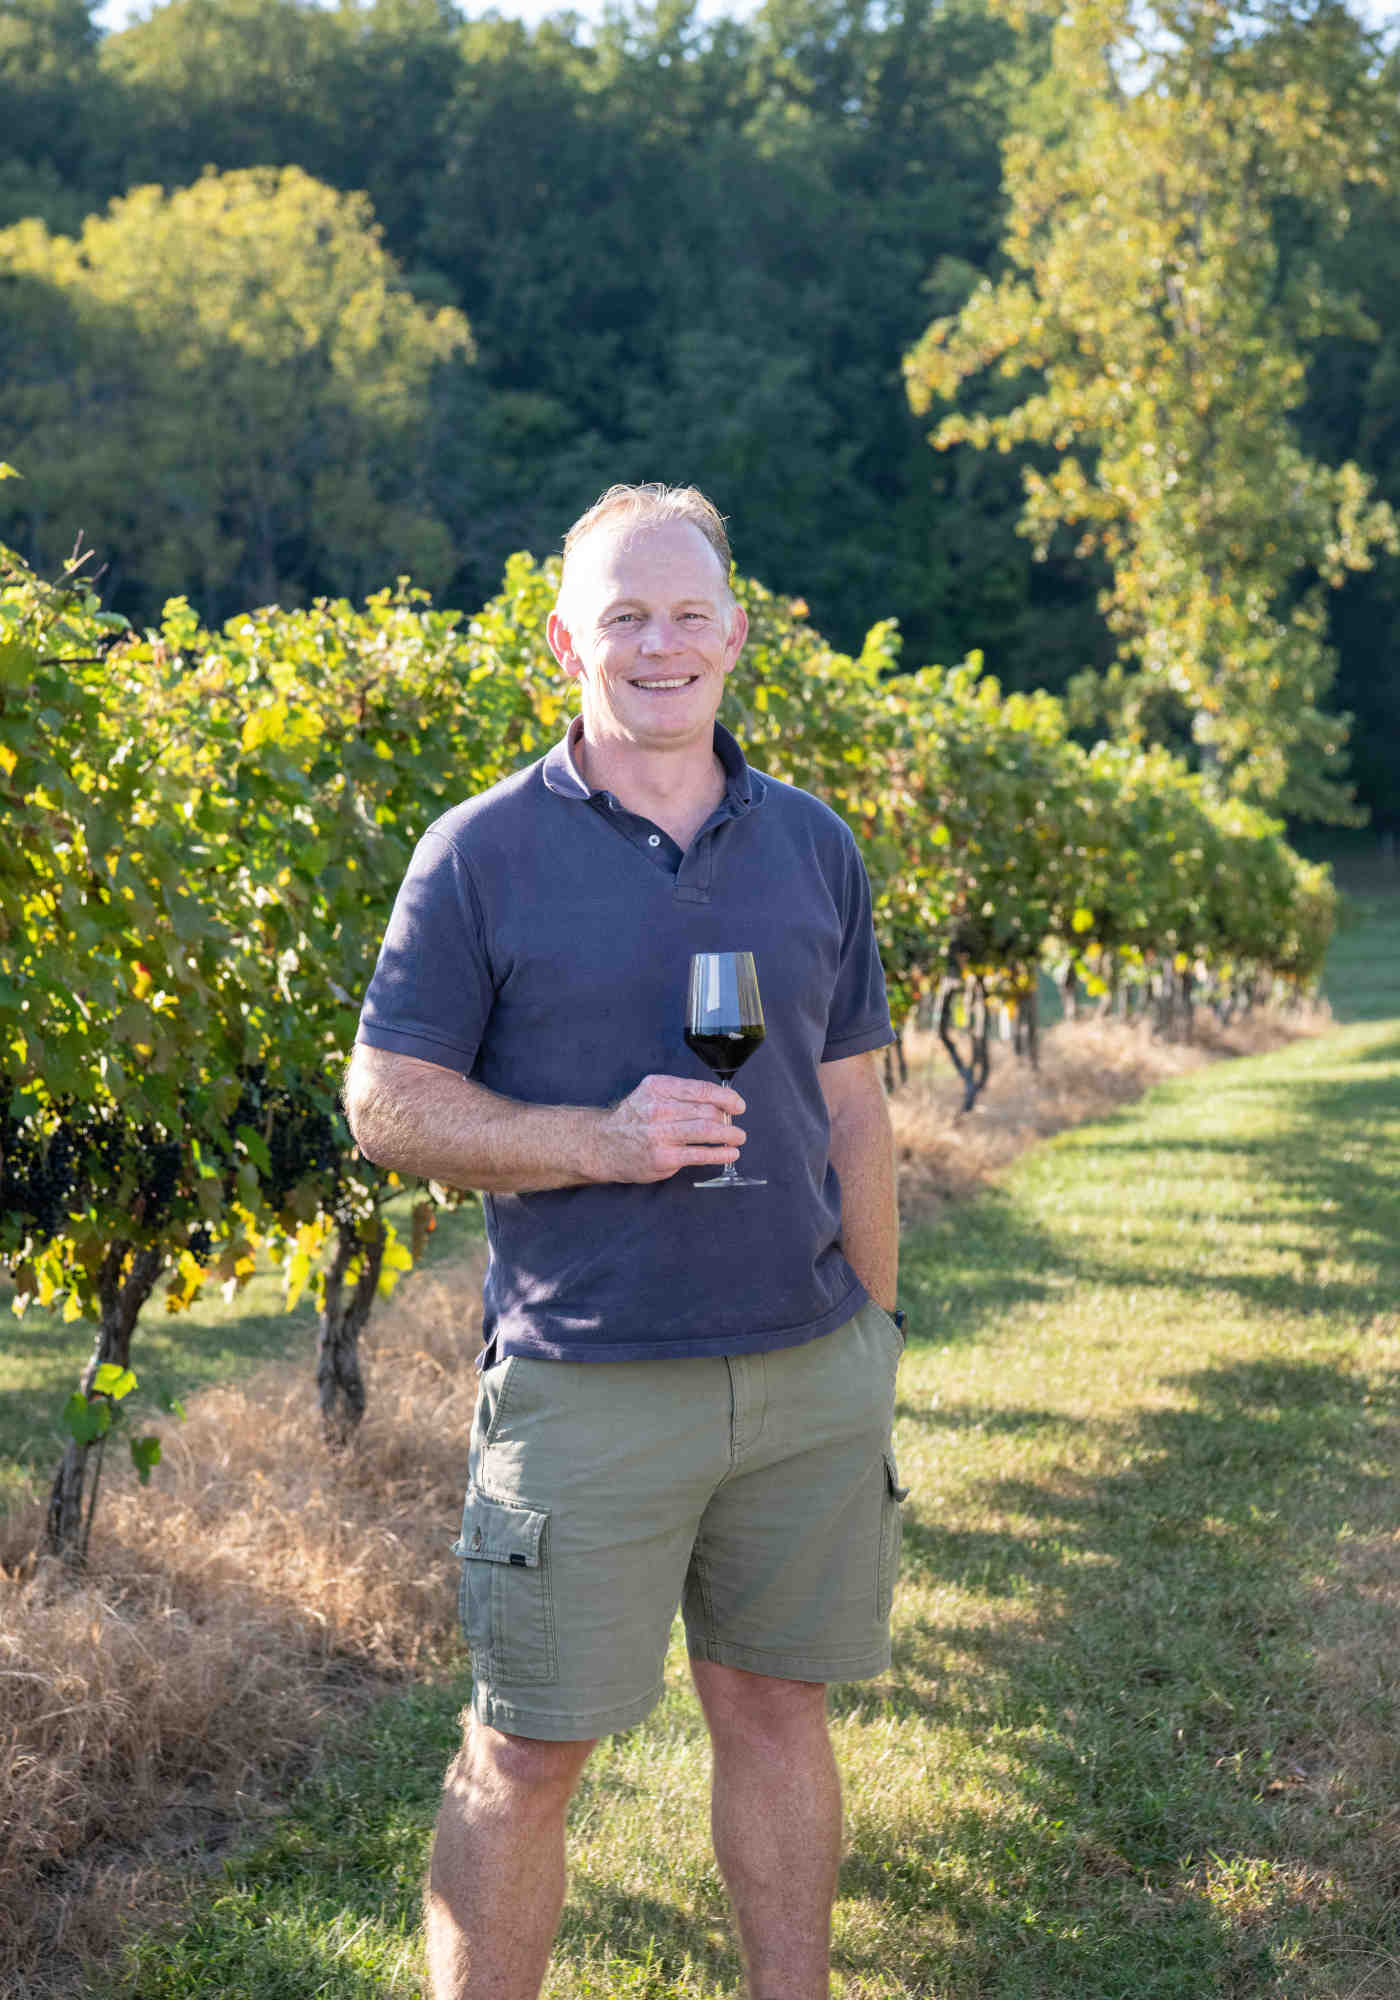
738 632
562 646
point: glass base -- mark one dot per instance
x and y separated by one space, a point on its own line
729 1180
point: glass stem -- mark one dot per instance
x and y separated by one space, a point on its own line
731 1172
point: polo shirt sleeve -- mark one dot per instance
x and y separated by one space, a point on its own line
859 1018
431 993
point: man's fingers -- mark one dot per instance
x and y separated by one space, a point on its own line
671 1122
704 1126
694 1090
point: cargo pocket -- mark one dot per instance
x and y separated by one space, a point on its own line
892 1499
506 1602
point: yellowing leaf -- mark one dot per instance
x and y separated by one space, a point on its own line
265 725
295 1281
111 1380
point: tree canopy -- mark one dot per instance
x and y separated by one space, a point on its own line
1156 323
699 249
229 385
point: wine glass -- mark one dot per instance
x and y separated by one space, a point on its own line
723 1026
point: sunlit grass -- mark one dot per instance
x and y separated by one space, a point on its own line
1139 1740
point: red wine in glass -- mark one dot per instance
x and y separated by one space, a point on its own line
723 1026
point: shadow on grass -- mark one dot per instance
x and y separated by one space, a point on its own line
171 1358
1328 1166
1385 1052
987 1258
1170 1812
1175 1814
1181 1802
643 1930
330 1902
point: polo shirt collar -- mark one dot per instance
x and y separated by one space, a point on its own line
743 788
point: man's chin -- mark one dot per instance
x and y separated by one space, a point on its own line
660 730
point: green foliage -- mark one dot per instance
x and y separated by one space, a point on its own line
121 1021
89 1418
339 734
1146 299
693 249
211 825
690 249
992 840
50 94
233 381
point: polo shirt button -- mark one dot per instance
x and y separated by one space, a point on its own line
653 840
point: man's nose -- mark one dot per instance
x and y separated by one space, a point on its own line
659 636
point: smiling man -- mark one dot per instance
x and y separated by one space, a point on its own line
685 1399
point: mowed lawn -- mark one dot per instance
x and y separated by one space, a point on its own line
1140 1735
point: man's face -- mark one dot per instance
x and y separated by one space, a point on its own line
650 632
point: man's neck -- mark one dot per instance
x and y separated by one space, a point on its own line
677 789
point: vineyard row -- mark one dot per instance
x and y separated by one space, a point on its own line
205 831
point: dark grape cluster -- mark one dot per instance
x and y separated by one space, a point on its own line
53 1166
79 1155
40 1174
160 1177
305 1138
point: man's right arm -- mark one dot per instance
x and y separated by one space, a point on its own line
419 1118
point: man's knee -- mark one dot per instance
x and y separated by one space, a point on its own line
501 1772
758 1708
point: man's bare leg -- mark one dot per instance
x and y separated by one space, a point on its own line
496 1880
776 1813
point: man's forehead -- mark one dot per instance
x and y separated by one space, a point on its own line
619 556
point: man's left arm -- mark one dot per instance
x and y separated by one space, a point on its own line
862 1152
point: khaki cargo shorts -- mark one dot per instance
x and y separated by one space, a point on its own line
758 1492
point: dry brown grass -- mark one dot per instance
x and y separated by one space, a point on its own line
255 1588
1086 1069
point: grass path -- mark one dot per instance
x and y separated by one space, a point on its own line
1140 1737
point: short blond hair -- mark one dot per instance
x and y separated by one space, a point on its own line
648 506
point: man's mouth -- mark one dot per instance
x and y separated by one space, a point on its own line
661 685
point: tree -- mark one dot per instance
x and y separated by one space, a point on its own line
1353 411
354 95
232 384
48 87
1147 295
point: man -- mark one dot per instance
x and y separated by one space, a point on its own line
686 1395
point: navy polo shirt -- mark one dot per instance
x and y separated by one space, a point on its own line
540 944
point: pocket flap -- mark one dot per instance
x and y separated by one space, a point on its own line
896 1491
497 1531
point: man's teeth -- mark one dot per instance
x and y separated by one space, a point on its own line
684 681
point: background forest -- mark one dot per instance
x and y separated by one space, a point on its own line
418 286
